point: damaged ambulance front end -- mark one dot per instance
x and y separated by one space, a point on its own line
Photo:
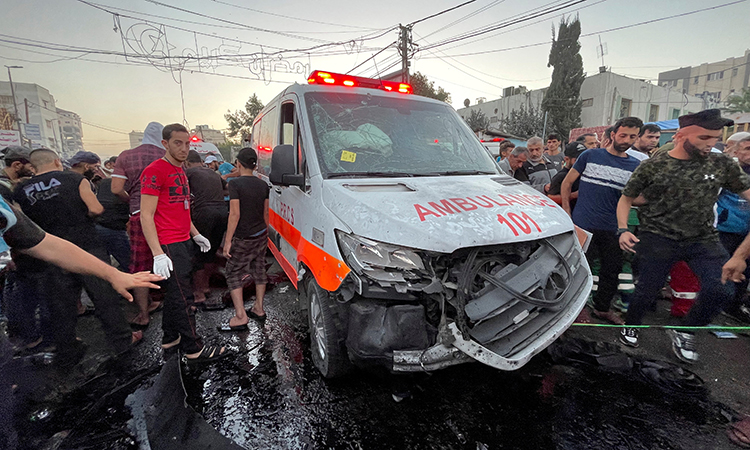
494 276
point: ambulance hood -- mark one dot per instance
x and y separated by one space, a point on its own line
443 214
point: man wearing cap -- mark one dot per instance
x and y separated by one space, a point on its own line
126 184
212 162
17 167
87 164
680 188
732 141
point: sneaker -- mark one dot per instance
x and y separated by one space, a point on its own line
683 346
629 336
621 305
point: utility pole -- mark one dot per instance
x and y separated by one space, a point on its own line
403 48
15 105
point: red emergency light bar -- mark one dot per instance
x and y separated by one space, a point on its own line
337 79
195 139
493 140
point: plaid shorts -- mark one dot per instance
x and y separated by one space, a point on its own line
141 258
248 261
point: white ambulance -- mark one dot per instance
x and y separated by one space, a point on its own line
410 248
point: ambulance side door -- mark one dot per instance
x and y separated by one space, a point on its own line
288 202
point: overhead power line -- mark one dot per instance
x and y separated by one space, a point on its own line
249 27
291 17
602 31
466 17
506 24
216 25
441 12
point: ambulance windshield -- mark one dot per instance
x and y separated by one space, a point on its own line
365 134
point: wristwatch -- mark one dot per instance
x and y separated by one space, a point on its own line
622 230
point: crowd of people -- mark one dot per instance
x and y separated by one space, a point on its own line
160 213
145 226
679 211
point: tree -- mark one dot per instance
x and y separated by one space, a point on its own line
524 122
477 121
739 103
426 88
241 122
563 98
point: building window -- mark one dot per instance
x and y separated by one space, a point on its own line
695 80
625 105
653 113
716 76
587 102
675 113
495 110
49 124
734 72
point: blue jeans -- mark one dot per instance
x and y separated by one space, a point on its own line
117 245
657 255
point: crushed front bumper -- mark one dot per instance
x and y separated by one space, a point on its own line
508 332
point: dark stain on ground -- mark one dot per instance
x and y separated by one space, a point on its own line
270 396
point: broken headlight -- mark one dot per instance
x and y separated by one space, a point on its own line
375 259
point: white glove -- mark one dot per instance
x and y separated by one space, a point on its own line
202 242
163 265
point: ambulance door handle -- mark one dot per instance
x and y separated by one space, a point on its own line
277 190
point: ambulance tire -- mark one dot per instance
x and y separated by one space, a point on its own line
327 338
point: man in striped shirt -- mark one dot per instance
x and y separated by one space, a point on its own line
604 172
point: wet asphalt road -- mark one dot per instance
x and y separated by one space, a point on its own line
270 396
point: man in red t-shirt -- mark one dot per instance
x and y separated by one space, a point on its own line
165 218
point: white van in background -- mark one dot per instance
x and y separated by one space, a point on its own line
410 248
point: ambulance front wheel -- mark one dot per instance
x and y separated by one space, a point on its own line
327 338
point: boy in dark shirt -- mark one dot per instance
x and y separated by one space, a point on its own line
246 240
209 214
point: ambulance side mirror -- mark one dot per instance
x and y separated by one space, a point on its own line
282 167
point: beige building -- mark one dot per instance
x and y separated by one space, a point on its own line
71 132
606 97
714 82
208 134
136 138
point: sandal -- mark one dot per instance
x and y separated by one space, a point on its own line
227 327
171 345
208 354
254 316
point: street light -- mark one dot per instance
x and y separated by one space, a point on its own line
15 106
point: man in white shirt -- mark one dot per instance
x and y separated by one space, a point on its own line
648 139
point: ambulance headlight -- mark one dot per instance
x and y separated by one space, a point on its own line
364 255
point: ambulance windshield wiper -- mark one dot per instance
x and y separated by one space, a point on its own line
467 172
370 174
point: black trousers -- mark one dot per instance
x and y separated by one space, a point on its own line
178 318
657 256
62 290
606 247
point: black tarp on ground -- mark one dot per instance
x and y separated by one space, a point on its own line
163 420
